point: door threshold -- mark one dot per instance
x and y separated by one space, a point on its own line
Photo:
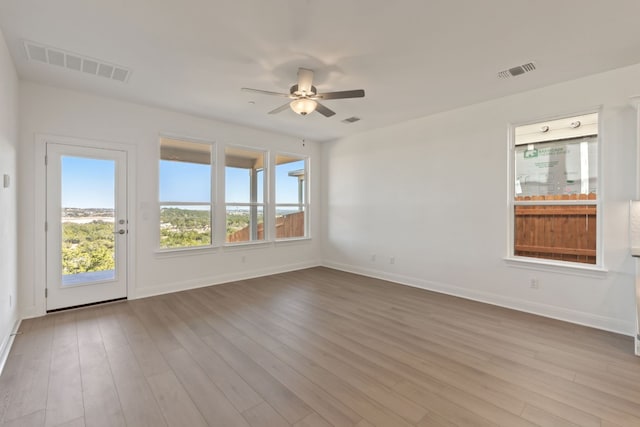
74 307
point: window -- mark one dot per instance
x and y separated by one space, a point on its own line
555 190
259 198
291 197
244 194
185 194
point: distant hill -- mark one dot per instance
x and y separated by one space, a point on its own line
87 212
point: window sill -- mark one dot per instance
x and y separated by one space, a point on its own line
564 267
292 240
176 252
179 252
246 245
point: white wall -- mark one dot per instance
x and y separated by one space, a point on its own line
433 193
8 201
54 111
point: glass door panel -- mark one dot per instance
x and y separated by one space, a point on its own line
87 220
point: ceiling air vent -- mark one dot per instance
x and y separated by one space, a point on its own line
516 71
73 61
351 120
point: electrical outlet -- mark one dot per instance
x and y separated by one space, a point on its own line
243 259
373 258
534 283
392 260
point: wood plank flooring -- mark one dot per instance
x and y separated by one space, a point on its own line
315 348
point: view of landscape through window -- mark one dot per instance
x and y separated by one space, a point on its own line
185 185
290 197
87 217
244 194
186 210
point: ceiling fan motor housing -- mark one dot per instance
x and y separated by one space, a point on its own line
295 92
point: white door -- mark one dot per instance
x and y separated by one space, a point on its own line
86 225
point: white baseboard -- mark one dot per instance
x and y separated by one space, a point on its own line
581 318
33 312
7 343
220 279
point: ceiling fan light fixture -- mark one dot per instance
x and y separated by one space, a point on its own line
303 95
303 106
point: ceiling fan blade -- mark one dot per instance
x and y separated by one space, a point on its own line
279 109
358 93
324 110
305 80
265 92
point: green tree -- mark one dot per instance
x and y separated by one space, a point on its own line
184 227
87 247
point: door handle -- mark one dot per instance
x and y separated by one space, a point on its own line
121 231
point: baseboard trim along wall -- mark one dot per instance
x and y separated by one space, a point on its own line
7 343
571 316
219 279
145 292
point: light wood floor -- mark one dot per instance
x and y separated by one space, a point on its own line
315 348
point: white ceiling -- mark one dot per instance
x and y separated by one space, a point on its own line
412 57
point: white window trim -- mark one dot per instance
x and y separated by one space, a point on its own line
265 204
541 263
189 250
166 252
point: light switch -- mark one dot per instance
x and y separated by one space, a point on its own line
6 180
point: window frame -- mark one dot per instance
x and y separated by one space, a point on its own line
265 204
212 195
218 203
511 258
305 205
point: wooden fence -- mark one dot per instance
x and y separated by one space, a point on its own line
560 232
291 225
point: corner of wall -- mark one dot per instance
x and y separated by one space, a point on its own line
5 347
9 319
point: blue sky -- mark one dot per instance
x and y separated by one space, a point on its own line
88 183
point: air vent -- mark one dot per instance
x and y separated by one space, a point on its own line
351 120
73 61
516 71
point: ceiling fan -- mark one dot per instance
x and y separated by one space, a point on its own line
305 96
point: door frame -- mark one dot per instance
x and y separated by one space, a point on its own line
40 215
88 289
